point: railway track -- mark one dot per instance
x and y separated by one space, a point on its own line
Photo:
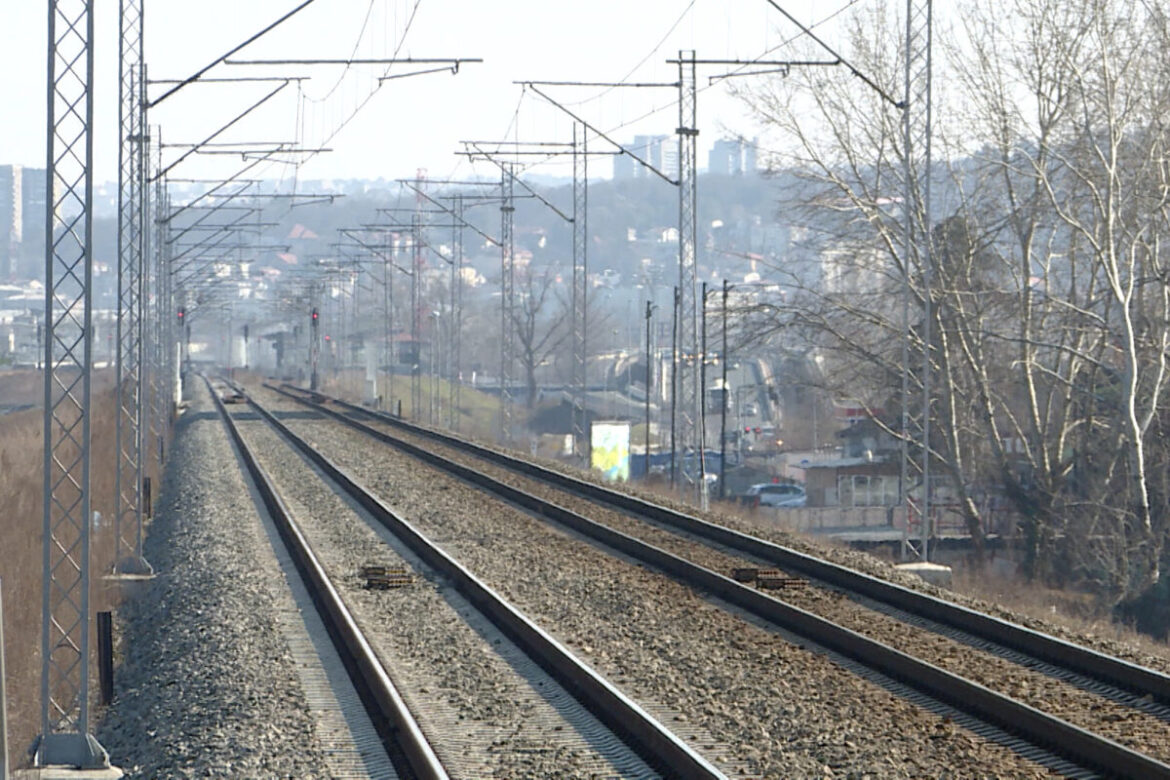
492 692
1096 691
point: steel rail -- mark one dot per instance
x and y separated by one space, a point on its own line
1085 661
392 717
660 747
1035 726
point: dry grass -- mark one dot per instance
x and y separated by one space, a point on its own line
1080 613
478 412
21 387
21 493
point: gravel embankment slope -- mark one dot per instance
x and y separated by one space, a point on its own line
206 686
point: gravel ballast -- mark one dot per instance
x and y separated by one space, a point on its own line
779 709
488 712
1123 722
206 686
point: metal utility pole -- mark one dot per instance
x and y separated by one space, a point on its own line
153 312
580 280
580 220
132 158
65 615
703 391
649 382
674 389
164 313
691 395
387 303
916 127
314 349
415 331
455 321
436 351
723 360
507 299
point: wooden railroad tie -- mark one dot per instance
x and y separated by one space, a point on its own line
386 577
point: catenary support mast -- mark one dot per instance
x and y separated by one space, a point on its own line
65 631
689 368
128 556
580 278
917 134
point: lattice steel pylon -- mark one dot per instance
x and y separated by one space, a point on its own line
916 128
580 278
65 737
507 298
174 335
690 395
455 321
417 241
128 557
157 321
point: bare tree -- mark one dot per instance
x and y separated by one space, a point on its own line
854 296
1079 161
1049 304
539 332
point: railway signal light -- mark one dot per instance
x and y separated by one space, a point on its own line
182 312
314 315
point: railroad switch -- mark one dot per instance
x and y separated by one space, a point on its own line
386 577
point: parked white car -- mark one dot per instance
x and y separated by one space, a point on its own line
775 495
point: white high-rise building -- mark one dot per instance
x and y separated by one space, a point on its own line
34 189
661 151
11 218
733 157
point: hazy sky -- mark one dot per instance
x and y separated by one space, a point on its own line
410 123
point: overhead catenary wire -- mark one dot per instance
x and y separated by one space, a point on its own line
641 62
353 52
672 104
195 77
365 101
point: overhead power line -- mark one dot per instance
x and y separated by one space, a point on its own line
223 58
